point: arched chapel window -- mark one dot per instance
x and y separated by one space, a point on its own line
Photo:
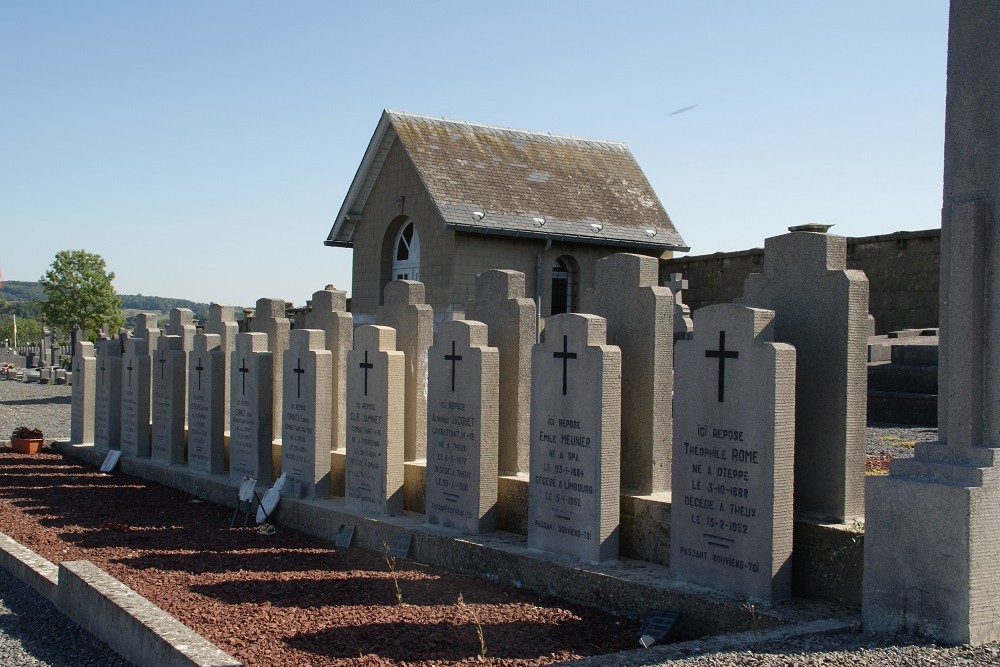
564 281
406 254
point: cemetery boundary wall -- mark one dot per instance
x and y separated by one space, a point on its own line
903 270
132 626
624 587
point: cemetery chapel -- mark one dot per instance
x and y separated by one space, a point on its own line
440 201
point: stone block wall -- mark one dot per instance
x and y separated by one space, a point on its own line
902 270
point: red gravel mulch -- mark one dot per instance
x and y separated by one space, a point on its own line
288 598
877 464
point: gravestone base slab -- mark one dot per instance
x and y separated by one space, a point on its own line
931 549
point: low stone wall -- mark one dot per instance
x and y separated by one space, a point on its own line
903 270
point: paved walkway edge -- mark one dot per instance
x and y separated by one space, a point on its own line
131 625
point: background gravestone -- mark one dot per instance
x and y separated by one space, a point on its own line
639 315
221 322
84 394
463 407
250 433
405 311
734 442
206 409
376 374
108 395
135 384
821 308
145 328
269 318
169 383
181 324
510 317
573 495
329 313
931 535
305 431
683 324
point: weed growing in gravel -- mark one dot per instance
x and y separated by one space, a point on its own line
391 562
479 626
754 622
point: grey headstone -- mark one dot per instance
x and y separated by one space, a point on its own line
376 375
108 396
222 322
135 384
206 405
463 407
639 316
734 442
573 494
683 324
933 521
305 431
510 317
821 308
182 324
251 436
169 385
405 311
329 313
269 318
84 394
145 328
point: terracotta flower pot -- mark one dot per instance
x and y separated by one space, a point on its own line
26 445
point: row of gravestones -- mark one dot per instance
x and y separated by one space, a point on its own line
588 413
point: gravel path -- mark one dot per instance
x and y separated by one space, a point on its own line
63 643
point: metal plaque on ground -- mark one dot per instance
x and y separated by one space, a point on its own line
399 545
657 626
111 460
344 535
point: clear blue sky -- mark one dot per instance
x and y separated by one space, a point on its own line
204 148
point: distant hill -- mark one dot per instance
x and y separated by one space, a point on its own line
25 297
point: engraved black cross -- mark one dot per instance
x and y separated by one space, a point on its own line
453 358
298 370
243 373
199 368
565 356
130 369
722 354
163 360
102 372
365 365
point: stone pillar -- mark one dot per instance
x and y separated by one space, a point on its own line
931 540
305 435
405 311
640 315
510 318
107 422
250 432
269 318
84 394
821 308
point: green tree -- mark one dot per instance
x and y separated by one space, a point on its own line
78 292
28 330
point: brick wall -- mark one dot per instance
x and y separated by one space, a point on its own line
902 268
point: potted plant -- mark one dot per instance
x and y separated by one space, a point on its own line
26 440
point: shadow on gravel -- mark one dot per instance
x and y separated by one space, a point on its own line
48 400
442 641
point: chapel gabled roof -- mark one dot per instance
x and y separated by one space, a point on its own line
505 182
